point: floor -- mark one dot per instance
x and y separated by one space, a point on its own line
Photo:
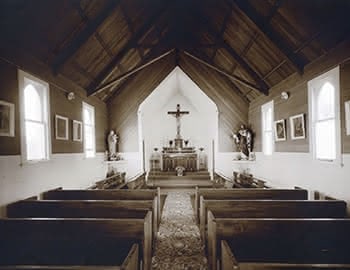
178 245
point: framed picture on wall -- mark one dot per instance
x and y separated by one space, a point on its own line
297 126
280 130
7 119
347 117
61 127
77 131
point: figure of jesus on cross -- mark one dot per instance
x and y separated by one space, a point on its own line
178 114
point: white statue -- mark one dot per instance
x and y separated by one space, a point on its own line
243 139
112 143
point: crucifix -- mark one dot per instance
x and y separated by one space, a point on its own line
177 114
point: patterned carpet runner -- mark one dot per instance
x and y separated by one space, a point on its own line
178 245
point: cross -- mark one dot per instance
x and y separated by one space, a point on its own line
177 114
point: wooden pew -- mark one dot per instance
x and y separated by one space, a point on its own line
78 194
247 194
229 262
81 209
269 209
295 241
75 242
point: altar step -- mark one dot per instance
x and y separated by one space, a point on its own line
168 180
186 173
200 175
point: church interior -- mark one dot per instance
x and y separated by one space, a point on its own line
181 134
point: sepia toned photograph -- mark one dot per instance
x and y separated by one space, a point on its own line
61 127
77 131
297 127
280 130
175 135
7 119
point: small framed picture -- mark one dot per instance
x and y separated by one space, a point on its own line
347 117
297 127
280 130
7 119
77 131
61 127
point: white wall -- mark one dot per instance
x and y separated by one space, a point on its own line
287 170
63 170
157 127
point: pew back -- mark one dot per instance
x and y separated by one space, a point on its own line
78 194
309 241
248 194
229 262
73 241
269 209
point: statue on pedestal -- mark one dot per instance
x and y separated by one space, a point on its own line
112 145
244 141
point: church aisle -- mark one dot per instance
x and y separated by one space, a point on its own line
178 245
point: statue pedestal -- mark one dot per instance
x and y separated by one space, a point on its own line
116 166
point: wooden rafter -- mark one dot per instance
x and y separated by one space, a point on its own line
129 45
250 71
230 82
83 36
130 26
223 72
151 54
223 28
129 73
264 27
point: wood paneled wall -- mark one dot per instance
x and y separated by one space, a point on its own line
233 109
123 107
59 104
296 85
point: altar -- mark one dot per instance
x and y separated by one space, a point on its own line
185 157
178 154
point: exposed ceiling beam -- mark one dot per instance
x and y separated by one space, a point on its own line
129 73
250 71
83 36
129 45
227 79
223 27
223 72
125 82
264 27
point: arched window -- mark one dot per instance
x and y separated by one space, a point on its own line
89 130
34 101
267 128
324 109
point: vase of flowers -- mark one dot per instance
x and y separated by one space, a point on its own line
171 143
186 142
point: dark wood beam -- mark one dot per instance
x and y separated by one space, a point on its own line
132 43
83 36
151 54
250 71
130 26
264 27
223 27
129 73
223 72
226 78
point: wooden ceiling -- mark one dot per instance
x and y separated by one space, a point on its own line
102 44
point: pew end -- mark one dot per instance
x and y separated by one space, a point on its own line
281 243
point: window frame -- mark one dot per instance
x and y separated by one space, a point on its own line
333 76
265 108
92 110
22 75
